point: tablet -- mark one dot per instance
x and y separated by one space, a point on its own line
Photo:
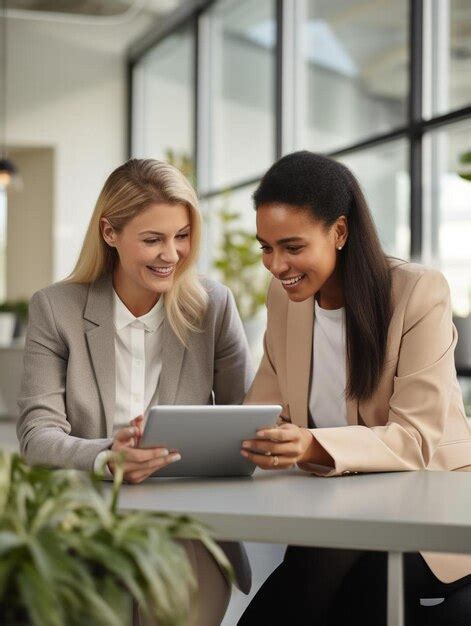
208 438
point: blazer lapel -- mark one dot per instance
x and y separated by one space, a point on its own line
298 358
173 352
100 339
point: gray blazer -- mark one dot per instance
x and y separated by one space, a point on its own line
67 398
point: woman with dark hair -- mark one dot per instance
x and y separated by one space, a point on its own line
359 351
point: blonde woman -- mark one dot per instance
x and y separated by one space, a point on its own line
131 327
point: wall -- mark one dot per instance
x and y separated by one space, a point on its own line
30 224
67 91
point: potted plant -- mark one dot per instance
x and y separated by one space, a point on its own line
7 324
13 320
239 267
183 162
69 557
465 159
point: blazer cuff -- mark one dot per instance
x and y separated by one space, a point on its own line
317 468
100 466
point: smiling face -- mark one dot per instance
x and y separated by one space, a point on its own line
301 252
151 248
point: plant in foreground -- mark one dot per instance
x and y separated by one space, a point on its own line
69 557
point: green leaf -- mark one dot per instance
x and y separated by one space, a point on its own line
9 541
163 576
8 569
112 559
465 158
38 597
193 530
5 479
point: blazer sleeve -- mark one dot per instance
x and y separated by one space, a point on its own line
43 430
233 370
421 394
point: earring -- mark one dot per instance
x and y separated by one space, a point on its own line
339 247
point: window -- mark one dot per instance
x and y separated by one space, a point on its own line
355 61
340 84
242 123
447 84
164 101
448 197
236 259
383 174
448 210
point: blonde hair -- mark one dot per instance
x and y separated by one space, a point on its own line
129 189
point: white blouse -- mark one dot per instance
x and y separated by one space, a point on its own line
138 359
327 404
138 364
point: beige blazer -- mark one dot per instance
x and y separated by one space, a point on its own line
67 398
415 420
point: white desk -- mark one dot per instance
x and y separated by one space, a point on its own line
399 512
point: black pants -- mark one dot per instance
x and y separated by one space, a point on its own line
327 587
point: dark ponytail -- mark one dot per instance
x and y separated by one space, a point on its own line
327 189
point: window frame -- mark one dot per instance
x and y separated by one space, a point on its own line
287 56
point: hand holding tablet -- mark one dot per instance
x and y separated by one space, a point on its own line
139 464
208 438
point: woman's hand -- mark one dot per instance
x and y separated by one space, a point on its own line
283 447
139 463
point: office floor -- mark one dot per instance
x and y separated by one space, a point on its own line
263 557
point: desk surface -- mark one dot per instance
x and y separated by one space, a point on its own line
404 511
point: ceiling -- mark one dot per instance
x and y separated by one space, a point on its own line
98 8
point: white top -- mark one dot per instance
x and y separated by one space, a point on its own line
138 363
138 358
327 403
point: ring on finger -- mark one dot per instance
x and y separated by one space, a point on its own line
268 453
275 461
